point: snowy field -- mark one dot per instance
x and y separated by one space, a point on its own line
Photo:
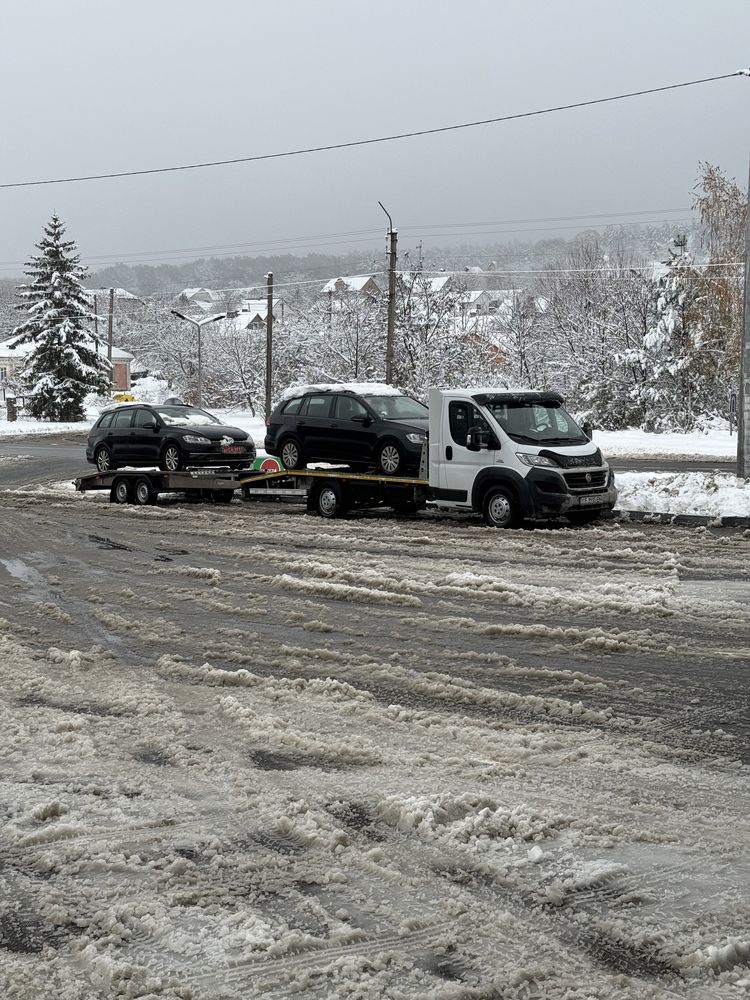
249 753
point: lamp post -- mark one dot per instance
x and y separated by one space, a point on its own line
198 323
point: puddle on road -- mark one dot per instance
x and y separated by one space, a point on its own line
22 571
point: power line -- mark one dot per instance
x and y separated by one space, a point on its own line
379 139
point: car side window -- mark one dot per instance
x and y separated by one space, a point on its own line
292 406
317 406
105 421
143 417
348 408
122 418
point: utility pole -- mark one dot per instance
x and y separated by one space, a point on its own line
110 324
743 407
390 334
96 322
743 403
269 340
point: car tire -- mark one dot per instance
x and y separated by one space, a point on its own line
329 501
121 491
500 509
143 492
103 460
290 454
171 459
389 459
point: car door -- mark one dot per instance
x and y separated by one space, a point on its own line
120 442
314 427
460 466
352 437
145 439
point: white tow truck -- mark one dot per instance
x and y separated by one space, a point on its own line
507 455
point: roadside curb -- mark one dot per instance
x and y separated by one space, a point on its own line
684 520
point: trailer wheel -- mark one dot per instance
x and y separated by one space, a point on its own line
499 508
103 460
143 492
120 492
389 459
171 458
222 496
329 501
291 454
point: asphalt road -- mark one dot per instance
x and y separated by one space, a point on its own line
589 684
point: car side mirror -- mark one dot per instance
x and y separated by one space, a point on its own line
588 429
362 418
152 424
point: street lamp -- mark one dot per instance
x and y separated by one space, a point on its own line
198 323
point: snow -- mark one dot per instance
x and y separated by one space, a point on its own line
362 388
634 443
706 493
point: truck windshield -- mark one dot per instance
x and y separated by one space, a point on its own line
397 407
541 422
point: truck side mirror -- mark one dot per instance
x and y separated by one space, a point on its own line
478 439
588 429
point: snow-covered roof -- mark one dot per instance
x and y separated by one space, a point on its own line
362 388
24 350
352 283
120 293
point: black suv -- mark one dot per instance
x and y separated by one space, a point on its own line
381 429
170 436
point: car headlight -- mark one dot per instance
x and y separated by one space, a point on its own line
416 438
536 460
196 439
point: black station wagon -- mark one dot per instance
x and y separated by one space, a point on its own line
383 430
170 436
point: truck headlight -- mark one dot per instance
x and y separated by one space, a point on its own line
416 438
196 439
536 460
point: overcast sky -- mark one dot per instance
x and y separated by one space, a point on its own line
96 86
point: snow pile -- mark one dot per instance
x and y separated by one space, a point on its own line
362 388
707 493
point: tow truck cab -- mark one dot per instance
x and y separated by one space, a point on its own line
514 455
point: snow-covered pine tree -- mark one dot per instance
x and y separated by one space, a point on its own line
64 365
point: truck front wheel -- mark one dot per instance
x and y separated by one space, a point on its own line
499 508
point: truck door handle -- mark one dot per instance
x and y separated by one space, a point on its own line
449 452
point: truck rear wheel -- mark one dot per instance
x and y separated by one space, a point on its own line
499 508
329 500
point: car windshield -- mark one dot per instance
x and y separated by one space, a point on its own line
541 422
397 407
189 415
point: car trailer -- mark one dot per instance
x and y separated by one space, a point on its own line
143 486
326 492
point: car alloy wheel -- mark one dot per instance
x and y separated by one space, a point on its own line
291 455
389 459
103 460
172 458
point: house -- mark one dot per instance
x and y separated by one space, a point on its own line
360 285
251 316
12 359
200 298
125 302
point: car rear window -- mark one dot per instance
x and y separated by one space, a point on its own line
105 421
317 406
292 406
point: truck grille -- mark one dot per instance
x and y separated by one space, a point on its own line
586 480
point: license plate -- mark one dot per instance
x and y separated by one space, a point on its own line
590 501
232 448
